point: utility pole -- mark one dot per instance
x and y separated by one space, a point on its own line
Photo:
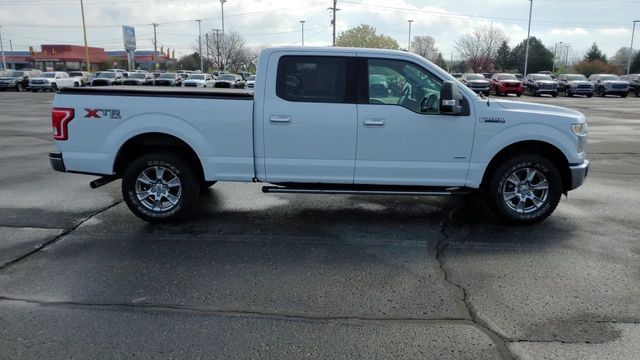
302 23
155 47
84 31
206 36
200 46
566 58
451 63
555 51
4 61
526 54
13 65
333 21
223 34
633 32
409 44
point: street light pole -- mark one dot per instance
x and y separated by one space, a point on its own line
200 45
302 23
84 30
155 47
526 55
409 43
631 47
4 61
555 56
223 34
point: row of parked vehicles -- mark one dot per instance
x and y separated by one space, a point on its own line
542 83
35 80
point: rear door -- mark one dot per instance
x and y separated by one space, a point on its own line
310 119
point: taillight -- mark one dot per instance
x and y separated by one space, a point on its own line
60 118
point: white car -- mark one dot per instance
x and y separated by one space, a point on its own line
53 81
199 80
251 82
312 128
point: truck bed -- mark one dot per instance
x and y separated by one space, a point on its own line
153 91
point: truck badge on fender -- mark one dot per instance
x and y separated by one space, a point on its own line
492 119
100 113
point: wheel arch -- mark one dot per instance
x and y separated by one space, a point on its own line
529 147
154 142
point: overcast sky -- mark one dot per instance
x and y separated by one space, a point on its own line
276 22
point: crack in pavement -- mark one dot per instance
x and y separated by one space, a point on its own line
441 247
56 238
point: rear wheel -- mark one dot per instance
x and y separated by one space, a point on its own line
524 190
160 187
54 88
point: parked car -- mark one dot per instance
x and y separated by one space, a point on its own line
251 83
199 80
504 84
476 82
168 79
230 81
574 84
520 77
139 78
311 128
457 75
108 78
609 84
157 73
538 84
124 73
17 79
245 75
83 76
216 74
634 83
52 81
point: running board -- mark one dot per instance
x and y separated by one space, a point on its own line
368 190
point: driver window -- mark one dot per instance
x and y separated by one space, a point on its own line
396 82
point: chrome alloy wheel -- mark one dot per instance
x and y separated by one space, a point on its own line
525 190
158 188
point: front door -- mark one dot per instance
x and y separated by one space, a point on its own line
402 138
310 119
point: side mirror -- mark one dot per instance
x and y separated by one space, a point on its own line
450 99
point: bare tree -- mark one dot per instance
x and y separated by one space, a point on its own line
229 50
425 46
480 46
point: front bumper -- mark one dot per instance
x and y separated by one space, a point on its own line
578 174
40 86
56 161
546 91
7 85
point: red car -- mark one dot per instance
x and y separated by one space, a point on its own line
503 84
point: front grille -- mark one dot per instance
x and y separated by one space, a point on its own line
130 82
619 86
511 84
163 83
190 85
547 86
584 86
250 86
100 83
37 81
222 85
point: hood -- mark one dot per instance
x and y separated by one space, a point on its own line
478 81
510 81
615 82
41 78
579 82
545 81
197 81
537 108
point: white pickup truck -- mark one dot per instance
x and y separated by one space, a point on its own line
323 120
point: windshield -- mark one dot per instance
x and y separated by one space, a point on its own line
167 76
228 77
75 73
14 73
576 77
136 76
541 77
475 77
609 77
109 75
48 75
506 77
196 77
252 78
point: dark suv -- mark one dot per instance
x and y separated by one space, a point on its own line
538 84
477 82
634 83
17 79
574 84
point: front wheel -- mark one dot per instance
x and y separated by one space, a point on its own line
160 187
19 87
524 190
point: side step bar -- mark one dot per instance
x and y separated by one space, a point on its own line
395 191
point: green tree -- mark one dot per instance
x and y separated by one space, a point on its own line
189 62
440 61
540 58
365 36
594 53
503 57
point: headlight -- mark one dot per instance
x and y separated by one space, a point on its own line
573 85
538 83
579 129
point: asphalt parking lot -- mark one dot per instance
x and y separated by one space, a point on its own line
307 276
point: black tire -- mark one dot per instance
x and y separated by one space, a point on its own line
204 186
589 95
501 182
518 94
54 88
19 87
172 166
623 95
602 93
555 94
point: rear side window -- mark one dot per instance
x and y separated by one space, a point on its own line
313 79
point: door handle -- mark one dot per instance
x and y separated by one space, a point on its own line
374 122
279 119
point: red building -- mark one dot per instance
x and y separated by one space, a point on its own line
67 57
